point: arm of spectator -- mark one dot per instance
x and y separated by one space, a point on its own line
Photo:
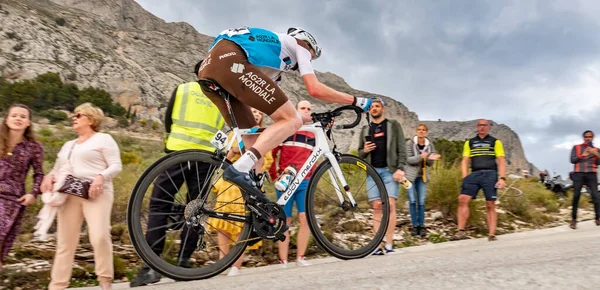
576 157
466 160
431 151
38 170
401 147
112 156
411 157
361 144
501 161
169 112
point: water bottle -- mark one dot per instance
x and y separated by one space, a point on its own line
405 183
286 178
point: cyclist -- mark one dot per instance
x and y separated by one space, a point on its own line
247 62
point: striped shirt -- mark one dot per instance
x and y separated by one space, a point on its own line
294 150
584 163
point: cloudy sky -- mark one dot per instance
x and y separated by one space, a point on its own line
532 65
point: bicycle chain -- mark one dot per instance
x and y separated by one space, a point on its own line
233 243
239 203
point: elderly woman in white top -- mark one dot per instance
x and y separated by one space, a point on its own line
95 157
420 155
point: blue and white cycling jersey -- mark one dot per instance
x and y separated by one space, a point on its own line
272 52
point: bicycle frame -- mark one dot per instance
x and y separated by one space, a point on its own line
320 149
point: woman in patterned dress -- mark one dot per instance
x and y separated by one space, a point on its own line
18 151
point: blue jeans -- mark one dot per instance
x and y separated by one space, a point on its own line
391 186
416 196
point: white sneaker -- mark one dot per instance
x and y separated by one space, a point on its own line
302 261
283 263
234 271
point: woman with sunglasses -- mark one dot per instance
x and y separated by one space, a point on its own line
93 156
18 152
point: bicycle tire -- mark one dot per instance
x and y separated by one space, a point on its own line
138 236
313 221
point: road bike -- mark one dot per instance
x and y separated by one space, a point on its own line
195 210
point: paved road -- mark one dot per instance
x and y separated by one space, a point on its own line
557 258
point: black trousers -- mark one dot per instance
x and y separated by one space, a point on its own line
590 180
165 188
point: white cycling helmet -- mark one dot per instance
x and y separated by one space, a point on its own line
303 35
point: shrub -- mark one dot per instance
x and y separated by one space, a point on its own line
129 157
522 208
143 123
54 116
123 122
155 125
437 238
119 267
443 189
45 132
60 21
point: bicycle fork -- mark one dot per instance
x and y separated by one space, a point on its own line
337 178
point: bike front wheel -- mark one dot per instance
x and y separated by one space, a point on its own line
342 230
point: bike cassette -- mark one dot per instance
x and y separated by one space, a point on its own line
194 213
272 225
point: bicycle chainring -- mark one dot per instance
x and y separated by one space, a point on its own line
273 225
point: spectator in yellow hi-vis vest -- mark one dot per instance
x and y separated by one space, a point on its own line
227 195
191 121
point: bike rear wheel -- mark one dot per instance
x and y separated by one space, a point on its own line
344 231
177 209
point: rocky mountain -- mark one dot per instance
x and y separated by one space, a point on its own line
139 58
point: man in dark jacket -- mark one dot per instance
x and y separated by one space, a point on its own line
382 144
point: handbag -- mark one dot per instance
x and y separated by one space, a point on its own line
73 185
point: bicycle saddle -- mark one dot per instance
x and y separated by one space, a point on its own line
210 85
